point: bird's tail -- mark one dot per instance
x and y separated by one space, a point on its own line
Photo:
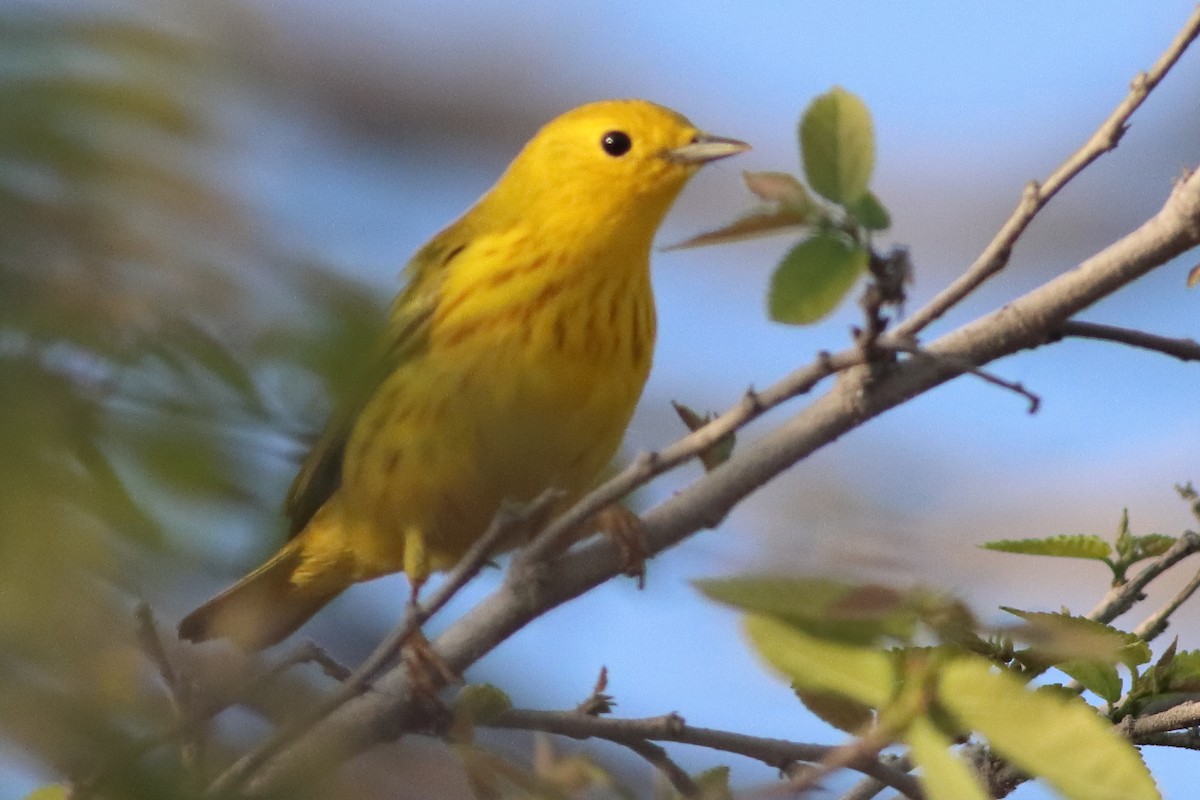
271 602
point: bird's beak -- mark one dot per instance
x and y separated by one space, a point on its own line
704 148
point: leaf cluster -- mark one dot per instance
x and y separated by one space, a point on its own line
837 214
1119 555
912 667
916 668
154 359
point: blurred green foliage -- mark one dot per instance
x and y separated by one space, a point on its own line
916 667
911 667
153 349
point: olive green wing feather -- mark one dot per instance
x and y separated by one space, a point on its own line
321 472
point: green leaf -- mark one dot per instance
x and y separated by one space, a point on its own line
1152 544
720 451
751 226
777 187
140 103
1184 672
1187 492
862 674
1084 649
196 348
870 213
1062 637
483 701
54 791
1175 672
111 498
943 774
831 609
492 776
713 784
1099 678
1077 546
1060 740
814 277
836 710
1125 541
837 144
1157 679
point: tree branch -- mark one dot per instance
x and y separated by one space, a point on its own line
1184 716
1187 740
1183 349
1035 402
1121 598
868 788
777 753
1156 623
996 255
658 757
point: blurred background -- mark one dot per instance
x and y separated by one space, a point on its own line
204 207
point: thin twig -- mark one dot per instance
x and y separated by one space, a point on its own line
184 729
178 689
599 702
674 773
1156 623
1189 740
777 753
1121 598
1035 402
245 680
868 788
862 749
996 255
313 653
865 789
507 523
1181 348
151 642
962 365
307 653
889 275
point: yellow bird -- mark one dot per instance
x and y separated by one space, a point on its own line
511 363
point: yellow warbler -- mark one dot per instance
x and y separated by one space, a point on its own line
511 363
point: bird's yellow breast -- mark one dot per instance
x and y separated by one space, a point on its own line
533 365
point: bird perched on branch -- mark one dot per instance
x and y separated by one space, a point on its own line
511 364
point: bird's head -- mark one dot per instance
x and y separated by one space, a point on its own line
612 164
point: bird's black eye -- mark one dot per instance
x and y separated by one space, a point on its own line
616 143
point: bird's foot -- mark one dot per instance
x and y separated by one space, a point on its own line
429 671
625 529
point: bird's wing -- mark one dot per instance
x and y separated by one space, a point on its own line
321 472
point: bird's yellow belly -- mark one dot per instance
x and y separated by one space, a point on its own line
437 451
